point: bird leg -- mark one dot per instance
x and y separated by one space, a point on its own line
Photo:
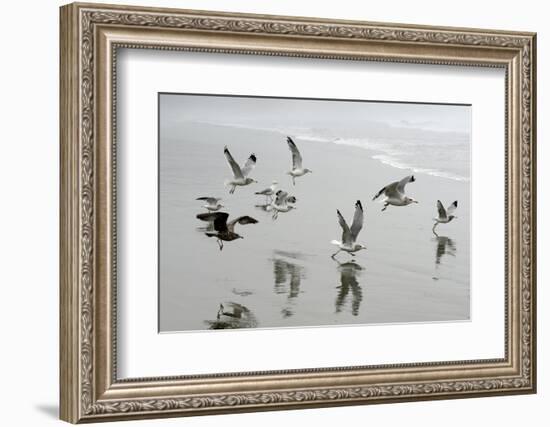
232 189
293 180
220 244
385 206
352 254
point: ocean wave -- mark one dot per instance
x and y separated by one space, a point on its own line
395 155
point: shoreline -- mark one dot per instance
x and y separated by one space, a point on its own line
399 281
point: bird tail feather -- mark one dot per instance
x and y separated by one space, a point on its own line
335 242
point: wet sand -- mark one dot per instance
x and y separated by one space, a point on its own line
282 272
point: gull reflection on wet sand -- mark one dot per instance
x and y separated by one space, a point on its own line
349 271
232 315
444 246
287 276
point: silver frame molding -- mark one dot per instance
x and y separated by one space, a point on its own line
90 37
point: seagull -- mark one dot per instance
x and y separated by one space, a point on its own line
297 169
395 193
211 203
269 191
224 230
281 203
444 216
349 235
240 176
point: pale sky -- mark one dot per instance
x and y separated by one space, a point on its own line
270 112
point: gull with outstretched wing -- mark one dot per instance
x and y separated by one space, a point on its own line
444 216
297 168
240 175
349 234
212 203
224 230
395 193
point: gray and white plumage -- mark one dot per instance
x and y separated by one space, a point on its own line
224 230
240 175
269 191
349 234
211 203
297 168
444 216
395 193
282 203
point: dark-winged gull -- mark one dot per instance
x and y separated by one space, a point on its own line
282 203
223 230
395 193
297 168
444 216
240 176
349 235
211 203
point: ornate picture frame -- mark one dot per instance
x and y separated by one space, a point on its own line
90 37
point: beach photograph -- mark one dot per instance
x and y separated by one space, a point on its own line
291 212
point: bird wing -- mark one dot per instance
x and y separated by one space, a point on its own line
296 156
219 219
382 191
401 184
346 233
264 191
357 223
281 197
210 200
441 210
249 165
245 219
452 207
237 173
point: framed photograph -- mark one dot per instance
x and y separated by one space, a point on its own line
266 212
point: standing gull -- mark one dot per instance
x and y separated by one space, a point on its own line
240 176
444 216
281 203
395 193
349 235
297 168
211 203
269 191
224 230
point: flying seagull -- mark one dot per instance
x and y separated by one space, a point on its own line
224 230
283 203
211 203
269 191
349 235
240 176
395 193
444 216
297 168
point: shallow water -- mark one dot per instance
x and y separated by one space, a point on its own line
282 272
